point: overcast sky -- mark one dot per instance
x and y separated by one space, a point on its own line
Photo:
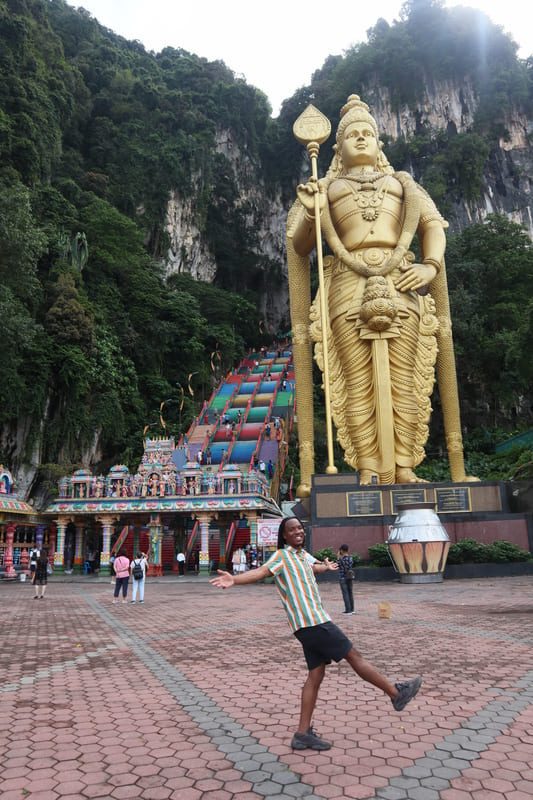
276 45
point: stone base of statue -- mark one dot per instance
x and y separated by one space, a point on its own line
341 511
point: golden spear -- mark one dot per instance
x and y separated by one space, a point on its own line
312 129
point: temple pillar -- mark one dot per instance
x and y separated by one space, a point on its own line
223 540
8 559
252 519
155 566
56 543
39 536
204 520
107 521
78 549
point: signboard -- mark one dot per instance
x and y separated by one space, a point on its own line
401 496
267 532
456 499
364 504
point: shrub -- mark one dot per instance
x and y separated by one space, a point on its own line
468 551
378 555
326 552
329 552
503 552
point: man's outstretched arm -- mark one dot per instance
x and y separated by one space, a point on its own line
225 579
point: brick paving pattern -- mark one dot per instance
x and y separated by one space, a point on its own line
196 693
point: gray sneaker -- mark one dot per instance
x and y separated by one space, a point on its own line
309 741
406 692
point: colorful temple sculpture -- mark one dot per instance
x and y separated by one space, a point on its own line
207 492
20 529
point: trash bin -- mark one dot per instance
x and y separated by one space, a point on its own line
418 544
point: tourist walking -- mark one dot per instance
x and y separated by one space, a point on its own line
294 574
138 570
41 575
122 572
346 576
180 558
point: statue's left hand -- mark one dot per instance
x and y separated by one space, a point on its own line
415 276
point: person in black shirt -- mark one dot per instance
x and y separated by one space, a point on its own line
345 563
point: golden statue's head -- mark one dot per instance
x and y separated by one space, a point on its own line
356 111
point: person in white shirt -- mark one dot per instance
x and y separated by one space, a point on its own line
138 582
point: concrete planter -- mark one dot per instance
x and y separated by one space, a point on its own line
510 570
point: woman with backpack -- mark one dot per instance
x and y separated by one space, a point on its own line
138 569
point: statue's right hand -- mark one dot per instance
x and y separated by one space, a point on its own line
306 195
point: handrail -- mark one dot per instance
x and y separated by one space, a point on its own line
192 541
123 535
229 541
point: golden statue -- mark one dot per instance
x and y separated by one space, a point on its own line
384 330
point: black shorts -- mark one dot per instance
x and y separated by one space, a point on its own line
323 644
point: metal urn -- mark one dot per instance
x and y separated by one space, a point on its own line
418 544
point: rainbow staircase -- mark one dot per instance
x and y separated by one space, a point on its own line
233 423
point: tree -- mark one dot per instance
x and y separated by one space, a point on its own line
490 269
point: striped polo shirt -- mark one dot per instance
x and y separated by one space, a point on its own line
294 577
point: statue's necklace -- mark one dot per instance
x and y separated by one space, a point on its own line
368 198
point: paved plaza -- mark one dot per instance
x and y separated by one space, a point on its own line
195 694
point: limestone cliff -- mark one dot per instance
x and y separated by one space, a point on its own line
265 216
508 176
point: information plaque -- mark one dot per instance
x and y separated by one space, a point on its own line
453 499
401 496
364 504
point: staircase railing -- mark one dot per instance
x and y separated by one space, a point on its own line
193 536
230 538
123 535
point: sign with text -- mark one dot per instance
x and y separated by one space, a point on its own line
453 499
267 532
364 504
402 496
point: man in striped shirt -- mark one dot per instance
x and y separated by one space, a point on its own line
294 573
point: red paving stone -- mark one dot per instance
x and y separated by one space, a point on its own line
93 696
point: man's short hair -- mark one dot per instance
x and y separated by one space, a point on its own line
344 548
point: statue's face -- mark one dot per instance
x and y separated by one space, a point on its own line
359 146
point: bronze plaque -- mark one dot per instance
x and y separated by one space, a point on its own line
364 504
400 496
451 500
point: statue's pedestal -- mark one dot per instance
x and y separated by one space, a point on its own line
343 512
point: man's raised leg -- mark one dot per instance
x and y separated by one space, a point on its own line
399 693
